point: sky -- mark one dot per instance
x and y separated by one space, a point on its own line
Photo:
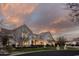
40 17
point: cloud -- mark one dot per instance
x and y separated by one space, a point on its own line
38 17
13 14
48 17
8 9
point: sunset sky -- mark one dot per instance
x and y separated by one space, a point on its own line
41 17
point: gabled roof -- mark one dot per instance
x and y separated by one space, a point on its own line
48 34
44 33
9 30
25 26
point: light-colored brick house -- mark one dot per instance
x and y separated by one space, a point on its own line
24 37
19 35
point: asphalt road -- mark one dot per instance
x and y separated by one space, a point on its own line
4 54
53 53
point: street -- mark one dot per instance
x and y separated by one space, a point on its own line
53 53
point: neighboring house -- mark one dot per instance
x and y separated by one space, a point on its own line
73 42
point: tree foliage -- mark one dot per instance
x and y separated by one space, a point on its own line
5 40
74 8
61 40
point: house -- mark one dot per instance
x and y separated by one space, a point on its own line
19 35
34 38
24 37
44 38
75 41
48 37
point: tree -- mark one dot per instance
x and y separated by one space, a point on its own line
5 40
61 40
74 15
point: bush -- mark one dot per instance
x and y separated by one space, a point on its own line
9 49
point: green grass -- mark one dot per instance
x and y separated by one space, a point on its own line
69 48
41 48
32 49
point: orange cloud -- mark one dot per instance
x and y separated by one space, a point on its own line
23 8
12 20
17 8
14 13
54 30
59 20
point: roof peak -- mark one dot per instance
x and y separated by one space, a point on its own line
44 32
23 25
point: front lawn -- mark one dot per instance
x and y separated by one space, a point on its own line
33 49
42 48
